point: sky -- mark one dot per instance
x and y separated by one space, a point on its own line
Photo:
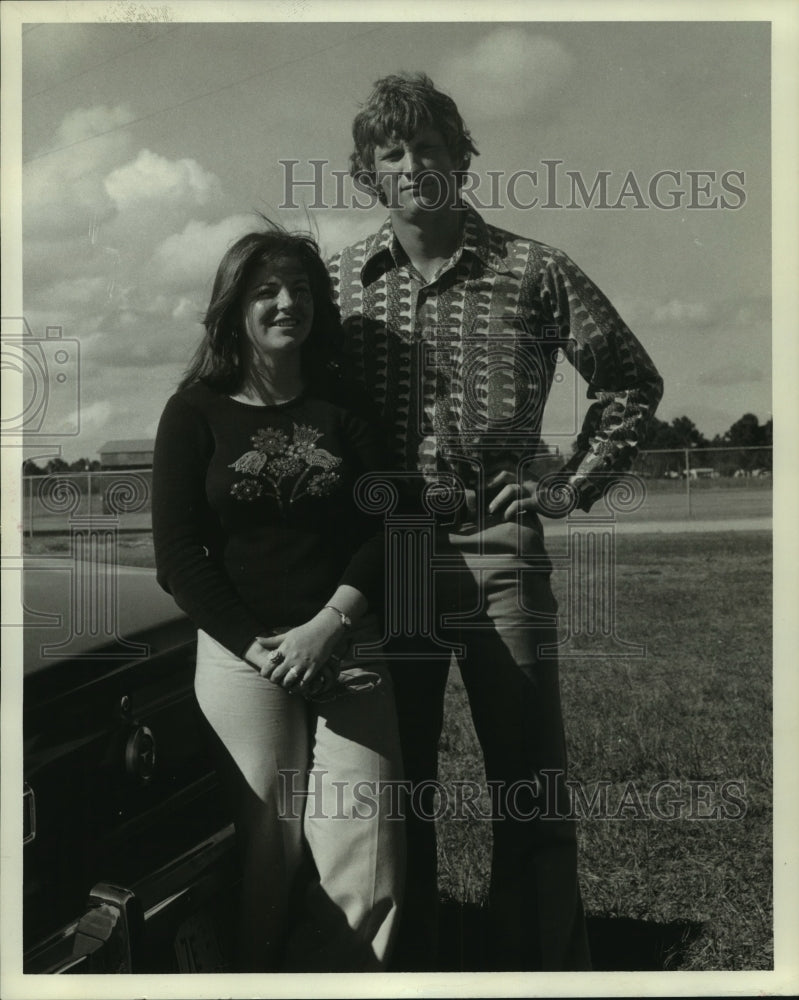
148 147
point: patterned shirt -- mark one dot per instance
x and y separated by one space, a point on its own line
461 366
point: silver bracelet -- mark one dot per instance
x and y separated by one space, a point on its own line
346 621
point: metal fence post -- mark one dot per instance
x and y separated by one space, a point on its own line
29 482
688 480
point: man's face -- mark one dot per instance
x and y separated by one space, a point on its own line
416 174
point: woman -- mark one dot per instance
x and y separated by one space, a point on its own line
258 538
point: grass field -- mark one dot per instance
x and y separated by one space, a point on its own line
693 892
656 500
682 893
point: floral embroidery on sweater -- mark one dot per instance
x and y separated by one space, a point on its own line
285 469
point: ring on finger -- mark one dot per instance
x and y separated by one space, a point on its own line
277 658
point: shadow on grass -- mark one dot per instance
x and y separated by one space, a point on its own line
618 944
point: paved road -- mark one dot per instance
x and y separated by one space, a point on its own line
641 527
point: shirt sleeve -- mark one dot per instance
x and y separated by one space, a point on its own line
183 530
620 375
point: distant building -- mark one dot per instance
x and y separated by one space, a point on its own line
131 453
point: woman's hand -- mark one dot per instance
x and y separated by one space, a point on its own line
515 499
294 658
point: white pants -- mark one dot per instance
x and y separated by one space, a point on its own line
315 796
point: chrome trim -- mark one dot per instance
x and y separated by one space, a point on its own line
54 954
153 911
110 934
29 812
140 754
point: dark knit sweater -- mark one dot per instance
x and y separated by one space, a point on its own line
254 520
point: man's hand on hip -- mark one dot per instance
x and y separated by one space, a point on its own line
514 499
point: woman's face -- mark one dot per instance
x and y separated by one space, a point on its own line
278 307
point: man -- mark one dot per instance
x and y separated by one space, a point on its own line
454 326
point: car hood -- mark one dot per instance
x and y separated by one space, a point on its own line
93 613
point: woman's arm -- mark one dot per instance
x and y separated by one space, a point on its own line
306 649
366 451
183 525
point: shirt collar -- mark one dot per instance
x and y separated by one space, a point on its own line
385 252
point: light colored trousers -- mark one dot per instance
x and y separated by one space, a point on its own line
315 797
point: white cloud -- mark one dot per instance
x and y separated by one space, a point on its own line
153 178
337 229
189 259
77 293
85 123
95 416
712 316
121 245
511 71
93 215
90 185
677 311
63 188
133 341
185 309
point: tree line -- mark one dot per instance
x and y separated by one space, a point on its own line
682 432
57 465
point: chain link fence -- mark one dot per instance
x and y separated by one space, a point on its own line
678 482
51 500
706 483
702 464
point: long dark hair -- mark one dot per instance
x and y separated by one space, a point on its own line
222 358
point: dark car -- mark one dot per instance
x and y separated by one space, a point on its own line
128 861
